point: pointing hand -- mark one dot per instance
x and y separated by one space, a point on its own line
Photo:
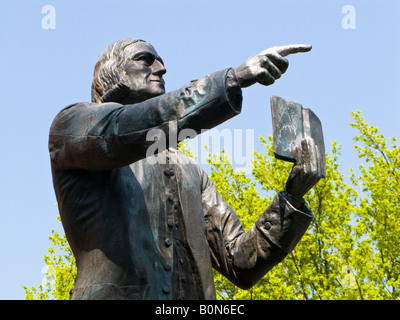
268 65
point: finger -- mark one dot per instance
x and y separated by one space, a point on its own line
313 175
292 48
317 169
307 166
313 157
319 175
265 78
298 166
281 63
305 152
272 69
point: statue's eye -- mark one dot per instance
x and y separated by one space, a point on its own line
148 58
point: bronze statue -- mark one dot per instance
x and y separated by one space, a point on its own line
140 230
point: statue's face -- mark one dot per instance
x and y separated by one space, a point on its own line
144 70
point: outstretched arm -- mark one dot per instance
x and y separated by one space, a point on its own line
102 136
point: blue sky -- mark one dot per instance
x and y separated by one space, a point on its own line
44 70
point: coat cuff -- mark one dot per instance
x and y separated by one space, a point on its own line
234 91
283 224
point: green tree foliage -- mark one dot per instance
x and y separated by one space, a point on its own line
61 271
350 250
378 213
313 270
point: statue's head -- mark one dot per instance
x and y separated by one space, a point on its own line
128 71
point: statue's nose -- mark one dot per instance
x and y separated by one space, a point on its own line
158 68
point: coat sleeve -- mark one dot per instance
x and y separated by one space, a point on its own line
245 257
103 136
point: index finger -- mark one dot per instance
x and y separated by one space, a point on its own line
292 48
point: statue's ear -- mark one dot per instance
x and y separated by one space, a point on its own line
116 94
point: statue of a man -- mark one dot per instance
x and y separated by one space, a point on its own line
142 229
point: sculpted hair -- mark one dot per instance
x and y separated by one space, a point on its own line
108 68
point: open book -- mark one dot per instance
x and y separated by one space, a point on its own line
291 124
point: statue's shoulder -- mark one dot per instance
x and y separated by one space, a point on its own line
71 107
67 114
77 105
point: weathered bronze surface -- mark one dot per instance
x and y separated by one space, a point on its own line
141 228
291 124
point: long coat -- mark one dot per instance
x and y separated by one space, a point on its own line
153 226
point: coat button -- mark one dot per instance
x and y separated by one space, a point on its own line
165 289
170 222
267 226
171 197
168 242
167 267
169 171
181 260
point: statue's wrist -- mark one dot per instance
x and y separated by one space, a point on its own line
232 79
295 200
